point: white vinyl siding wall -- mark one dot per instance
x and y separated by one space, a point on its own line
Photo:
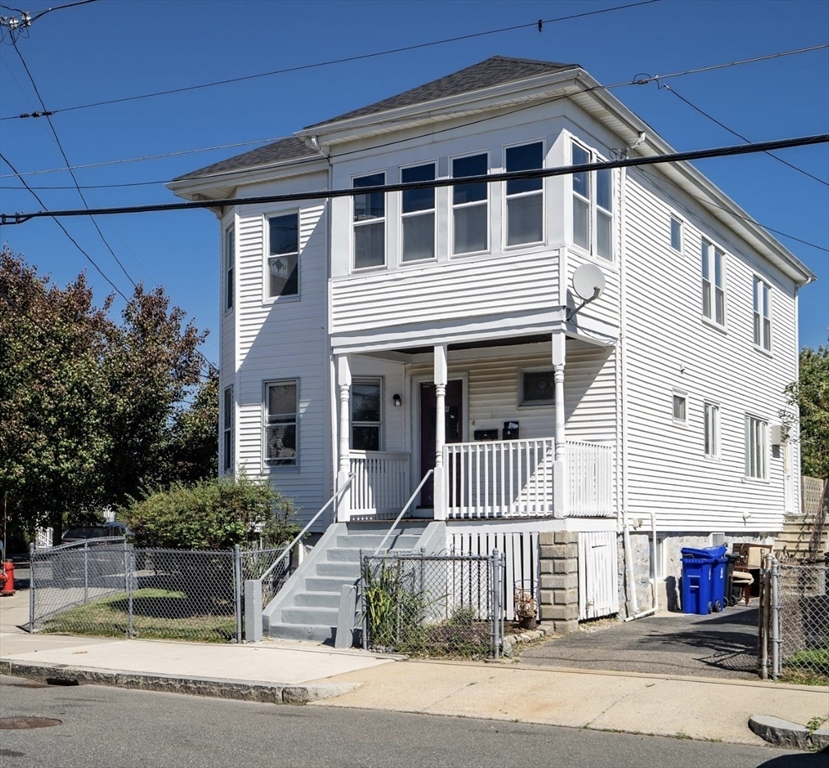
669 349
281 341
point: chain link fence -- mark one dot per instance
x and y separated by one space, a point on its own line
436 605
794 621
107 587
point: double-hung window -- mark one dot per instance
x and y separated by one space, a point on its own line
711 416
713 283
592 206
230 263
762 314
369 223
281 414
227 430
525 197
757 448
283 258
418 214
366 414
470 220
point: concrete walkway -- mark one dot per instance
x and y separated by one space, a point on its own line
293 672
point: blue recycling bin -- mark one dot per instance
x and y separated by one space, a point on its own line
699 578
719 571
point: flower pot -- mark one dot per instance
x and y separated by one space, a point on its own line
527 622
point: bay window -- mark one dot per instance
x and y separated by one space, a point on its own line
525 197
369 223
418 215
470 217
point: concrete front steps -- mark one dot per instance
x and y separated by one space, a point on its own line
307 607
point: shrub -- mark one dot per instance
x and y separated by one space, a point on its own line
212 514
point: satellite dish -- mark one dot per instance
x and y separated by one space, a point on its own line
588 282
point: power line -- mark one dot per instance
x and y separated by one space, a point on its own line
66 232
539 173
360 57
739 135
68 164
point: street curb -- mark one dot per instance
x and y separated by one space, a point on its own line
240 690
782 733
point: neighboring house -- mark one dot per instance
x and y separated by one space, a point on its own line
349 323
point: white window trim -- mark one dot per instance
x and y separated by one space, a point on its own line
452 207
537 403
505 198
761 308
763 449
594 208
228 420
715 454
384 219
266 239
711 251
229 269
681 225
265 461
434 211
381 383
684 395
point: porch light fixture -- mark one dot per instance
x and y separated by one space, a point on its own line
397 400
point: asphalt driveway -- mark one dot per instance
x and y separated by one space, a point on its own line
721 645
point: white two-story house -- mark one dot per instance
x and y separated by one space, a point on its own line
601 352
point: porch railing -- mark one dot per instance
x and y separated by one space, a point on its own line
506 478
590 479
381 481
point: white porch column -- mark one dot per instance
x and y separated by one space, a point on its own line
560 465
344 432
441 377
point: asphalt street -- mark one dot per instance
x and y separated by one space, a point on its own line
112 728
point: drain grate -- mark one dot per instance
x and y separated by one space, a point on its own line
22 723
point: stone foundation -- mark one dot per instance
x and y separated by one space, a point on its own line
559 571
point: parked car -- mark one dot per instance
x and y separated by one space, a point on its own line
110 530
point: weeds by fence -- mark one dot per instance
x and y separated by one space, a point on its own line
794 622
108 588
437 605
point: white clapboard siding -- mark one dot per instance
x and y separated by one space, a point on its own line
464 289
598 576
669 347
521 558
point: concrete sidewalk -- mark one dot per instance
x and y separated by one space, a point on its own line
294 672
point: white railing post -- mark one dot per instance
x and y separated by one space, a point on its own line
560 466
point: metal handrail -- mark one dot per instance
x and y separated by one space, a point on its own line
403 511
302 533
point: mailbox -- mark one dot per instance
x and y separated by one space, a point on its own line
511 430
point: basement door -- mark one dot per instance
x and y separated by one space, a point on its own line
428 424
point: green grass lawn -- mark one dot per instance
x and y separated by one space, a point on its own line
157 613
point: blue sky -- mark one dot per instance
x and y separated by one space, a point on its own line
114 48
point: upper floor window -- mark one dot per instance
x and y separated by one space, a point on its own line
230 263
370 223
757 448
762 314
713 283
470 218
418 215
537 387
227 430
281 423
283 255
711 415
525 197
366 410
592 206
680 407
676 234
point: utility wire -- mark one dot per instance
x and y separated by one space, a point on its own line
539 173
360 57
739 135
68 164
66 232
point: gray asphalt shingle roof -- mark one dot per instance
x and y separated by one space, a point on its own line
485 74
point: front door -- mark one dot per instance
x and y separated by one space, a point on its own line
428 425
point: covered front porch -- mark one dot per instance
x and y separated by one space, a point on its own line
469 447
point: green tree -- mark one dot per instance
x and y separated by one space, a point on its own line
212 514
810 394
